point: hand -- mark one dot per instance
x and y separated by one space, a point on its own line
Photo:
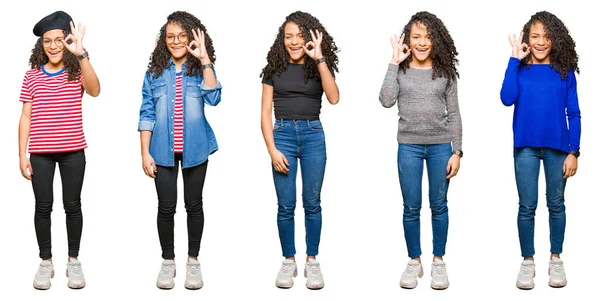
76 38
517 46
25 165
280 163
398 56
453 166
200 51
315 53
570 166
149 166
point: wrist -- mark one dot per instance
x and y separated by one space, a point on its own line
205 61
207 65
397 63
458 153
82 55
320 60
574 153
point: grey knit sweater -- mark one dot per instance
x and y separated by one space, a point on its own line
428 109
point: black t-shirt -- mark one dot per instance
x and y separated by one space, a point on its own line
293 98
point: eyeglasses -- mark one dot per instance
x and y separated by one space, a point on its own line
182 37
58 42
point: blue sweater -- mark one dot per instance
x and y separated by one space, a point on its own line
543 103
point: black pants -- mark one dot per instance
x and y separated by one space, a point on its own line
72 169
166 188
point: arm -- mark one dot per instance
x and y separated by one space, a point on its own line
211 87
24 127
146 126
455 124
278 160
509 94
388 95
91 84
328 82
574 118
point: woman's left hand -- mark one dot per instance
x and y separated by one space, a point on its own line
200 51
74 41
315 53
570 166
453 166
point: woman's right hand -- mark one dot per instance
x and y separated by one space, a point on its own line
398 56
280 163
25 165
517 46
149 165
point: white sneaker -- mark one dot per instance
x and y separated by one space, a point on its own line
439 275
413 270
556 271
314 277
75 274
193 276
286 273
166 275
44 274
526 274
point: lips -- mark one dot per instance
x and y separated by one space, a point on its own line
540 49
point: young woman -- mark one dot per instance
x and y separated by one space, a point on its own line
51 129
173 130
421 78
299 69
540 82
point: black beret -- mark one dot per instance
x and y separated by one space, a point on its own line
56 20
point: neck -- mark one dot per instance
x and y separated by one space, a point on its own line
426 64
299 61
179 62
51 67
535 61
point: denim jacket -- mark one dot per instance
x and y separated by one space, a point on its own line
157 115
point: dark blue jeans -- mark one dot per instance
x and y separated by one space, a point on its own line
527 171
410 171
304 141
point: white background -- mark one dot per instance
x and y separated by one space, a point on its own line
362 253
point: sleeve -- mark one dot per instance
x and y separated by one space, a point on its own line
211 96
26 95
509 94
388 95
267 80
573 113
454 119
147 111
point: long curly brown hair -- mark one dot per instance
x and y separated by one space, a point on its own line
39 58
159 60
563 56
278 58
443 52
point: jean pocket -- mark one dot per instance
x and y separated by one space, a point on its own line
277 126
159 89
315 125
193 90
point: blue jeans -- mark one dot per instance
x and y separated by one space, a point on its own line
302 140
527 171
410 171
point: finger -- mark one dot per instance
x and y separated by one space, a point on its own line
405 47
72 26
402 38
393 42
312 35
564 169
202 37
82 31
196 37
319 36
528 50
521 37
286 161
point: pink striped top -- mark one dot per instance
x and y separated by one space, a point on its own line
178 123
56 112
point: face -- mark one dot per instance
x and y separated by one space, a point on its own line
540 44
293 42
176 39
420 43
53 45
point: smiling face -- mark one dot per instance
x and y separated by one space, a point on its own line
420 46
540 44
53 46
293 42
176 39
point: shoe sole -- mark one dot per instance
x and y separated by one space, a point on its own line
284 285
313 287
45 286
411 285
193 287
440 287
72 285
525 287
557 284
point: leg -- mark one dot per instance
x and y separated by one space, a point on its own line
193 183
42 181
555 197
72 170
313 156
527 170
166 189
437 157
410 172
285 186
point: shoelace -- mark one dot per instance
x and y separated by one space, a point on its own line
527 269
167 269
411 269
287 269
75 268
439 269
557 267
314 269
194 269
45 270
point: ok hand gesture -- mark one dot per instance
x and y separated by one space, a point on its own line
315 53
76 39
200 51
398 55
517 46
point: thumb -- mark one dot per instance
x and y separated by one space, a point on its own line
448 167
285 160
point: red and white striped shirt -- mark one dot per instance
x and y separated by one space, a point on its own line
178 123
56 115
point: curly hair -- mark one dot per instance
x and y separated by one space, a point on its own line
39 58
443 52
562 54
159 60
278 58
